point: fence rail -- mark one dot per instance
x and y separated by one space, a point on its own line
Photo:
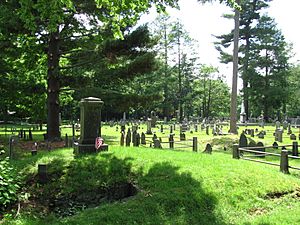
238 153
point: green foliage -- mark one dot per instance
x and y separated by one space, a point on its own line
8 184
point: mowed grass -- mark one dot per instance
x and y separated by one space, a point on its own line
177 187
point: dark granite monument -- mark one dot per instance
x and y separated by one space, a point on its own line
90 126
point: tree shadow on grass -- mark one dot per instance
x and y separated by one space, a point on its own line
166 197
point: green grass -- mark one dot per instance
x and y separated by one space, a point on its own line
186 188
175 187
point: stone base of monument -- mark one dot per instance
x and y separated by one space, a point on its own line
88 148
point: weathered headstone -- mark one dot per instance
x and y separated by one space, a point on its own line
243 142
262 149
278 135
128 139
143 138
122 139
293 137
208 149
261 135
289 129
182 137
275 145
149 131
157 143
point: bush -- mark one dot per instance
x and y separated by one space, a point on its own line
8 184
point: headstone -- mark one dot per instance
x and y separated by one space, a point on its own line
133 138
208 149
207 130
149 131
261 135
196 128
278 135
243 142
153 119
275 145
137 139
182 136
90 125
293 137
128 139
262 149
157 143
122 139
143 138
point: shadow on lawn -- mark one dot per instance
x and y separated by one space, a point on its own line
165 197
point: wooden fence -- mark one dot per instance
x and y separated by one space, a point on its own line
284 156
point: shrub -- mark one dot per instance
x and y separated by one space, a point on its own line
8 184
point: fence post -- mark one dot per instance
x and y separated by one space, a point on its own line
235 151
295 148
171 141
284 162
195 144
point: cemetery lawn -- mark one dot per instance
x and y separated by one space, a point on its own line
174 187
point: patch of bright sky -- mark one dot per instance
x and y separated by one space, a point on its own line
204 21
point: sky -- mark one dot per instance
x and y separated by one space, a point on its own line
204 21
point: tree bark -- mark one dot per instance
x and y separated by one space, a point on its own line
53 88
233 108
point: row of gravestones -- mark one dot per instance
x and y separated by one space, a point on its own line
243 142
23 134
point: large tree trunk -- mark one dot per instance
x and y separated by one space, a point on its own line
233 108
53 88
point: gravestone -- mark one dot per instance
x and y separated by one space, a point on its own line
182 136
149 131
128 138
243 142
293 137
196 128
278 135
207 130
122 139
262 149
90 125
252 143
153 119
275 145
143 138
157 143
208 149
137 139
261 135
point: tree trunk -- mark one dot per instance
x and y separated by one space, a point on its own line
233 108
166 106
53 88
180 108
